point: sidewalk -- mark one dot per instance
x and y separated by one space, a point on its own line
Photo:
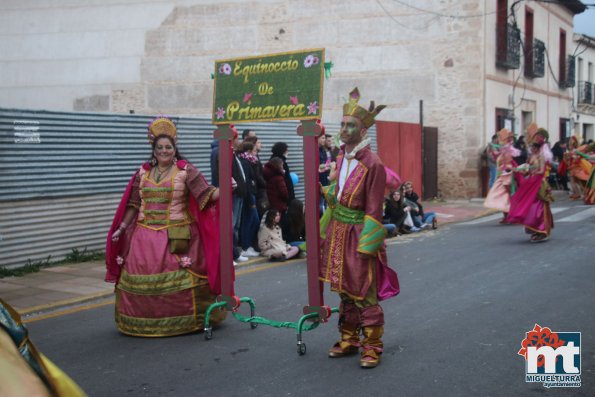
58 287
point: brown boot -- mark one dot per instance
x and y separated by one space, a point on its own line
371 346
349 343
372 328
349 329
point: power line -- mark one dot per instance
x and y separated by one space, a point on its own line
400 23
442 14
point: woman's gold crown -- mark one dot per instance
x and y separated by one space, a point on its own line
161 125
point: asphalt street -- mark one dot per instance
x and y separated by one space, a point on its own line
469 293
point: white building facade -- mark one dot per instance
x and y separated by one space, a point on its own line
584 97
530 67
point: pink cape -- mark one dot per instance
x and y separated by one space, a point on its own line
393 180
525 206
387 281
208 227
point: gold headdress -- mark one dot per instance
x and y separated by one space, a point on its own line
505 136
351 108
161 126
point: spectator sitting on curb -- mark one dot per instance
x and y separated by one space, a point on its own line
270 239
420 219
395 214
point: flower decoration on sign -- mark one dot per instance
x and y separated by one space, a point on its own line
247 97
538 337
311 60
220 113
294 100
225 69
119 260
313 107
185 261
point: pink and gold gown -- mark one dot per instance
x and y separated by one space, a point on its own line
530 205
160 293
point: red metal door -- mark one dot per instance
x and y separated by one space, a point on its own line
399 147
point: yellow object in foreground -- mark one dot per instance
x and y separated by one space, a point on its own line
23 370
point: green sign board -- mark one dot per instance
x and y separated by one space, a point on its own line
286 86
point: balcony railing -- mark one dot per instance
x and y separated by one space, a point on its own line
508 46
568 80
537 62
585 93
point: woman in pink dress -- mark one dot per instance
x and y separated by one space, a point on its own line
530 205
166 277
499 195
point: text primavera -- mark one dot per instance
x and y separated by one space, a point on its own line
260 68
266 112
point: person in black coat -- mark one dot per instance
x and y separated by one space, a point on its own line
293 225
558 152
522 146
395 213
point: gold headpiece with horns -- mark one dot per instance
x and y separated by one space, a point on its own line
351 108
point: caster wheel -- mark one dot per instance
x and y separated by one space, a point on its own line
209 334
301 349
253 325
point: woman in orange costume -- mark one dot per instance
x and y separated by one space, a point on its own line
578 168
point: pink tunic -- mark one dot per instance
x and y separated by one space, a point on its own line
347 270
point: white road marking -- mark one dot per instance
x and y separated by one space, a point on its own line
488 218
579 216
494 217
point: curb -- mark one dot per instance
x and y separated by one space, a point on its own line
40 309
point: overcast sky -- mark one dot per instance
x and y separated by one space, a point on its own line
585 22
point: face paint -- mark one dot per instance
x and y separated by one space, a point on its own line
351 130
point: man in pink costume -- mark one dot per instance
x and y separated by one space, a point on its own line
353 252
